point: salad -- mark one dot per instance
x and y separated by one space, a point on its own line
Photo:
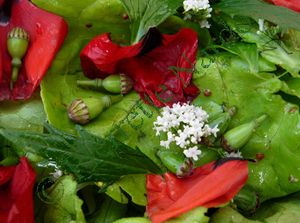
137 111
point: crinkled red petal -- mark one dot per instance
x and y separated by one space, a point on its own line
291 4
16 195
160 76
169 196
47 33
101 56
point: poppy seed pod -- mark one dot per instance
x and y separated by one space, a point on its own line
17 45
114 84
82 111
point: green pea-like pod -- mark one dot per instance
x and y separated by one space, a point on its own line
82 111
176 162
247 200
115 84
237 137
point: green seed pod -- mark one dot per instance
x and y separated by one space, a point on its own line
176 162
82 111
247 200
114 84
237 137
17 45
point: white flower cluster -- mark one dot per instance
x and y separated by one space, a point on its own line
185 125
198 7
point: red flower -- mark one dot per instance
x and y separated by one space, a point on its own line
16 186
209 186
161 71
47 32
291 4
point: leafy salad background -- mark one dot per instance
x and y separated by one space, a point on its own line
241 73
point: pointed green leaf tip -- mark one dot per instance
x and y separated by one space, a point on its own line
86 156
145 14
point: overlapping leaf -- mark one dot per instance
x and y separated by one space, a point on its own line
145 14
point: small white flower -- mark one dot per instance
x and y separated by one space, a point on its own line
261 25
57 174
236 154
204 24
214 131
193 152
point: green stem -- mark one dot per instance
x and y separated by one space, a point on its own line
96 83
14 76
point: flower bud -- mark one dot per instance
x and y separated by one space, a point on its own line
82 111
176 162
237 137
114 84
17 45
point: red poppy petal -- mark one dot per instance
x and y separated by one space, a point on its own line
17 195
47 32
291 4
208 187
166 70
6 172
160 75
101 56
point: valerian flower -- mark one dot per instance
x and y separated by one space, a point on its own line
186 125
198 10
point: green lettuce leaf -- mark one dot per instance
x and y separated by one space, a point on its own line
278 136
145 14
62 203
258 9
108 212
268 42
133 185
87 157
25 116
229 215
196 215
275 211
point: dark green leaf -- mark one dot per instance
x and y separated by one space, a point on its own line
258 9
145 14
109 212
87 156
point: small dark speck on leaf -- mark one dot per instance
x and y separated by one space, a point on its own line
207 93
89 25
